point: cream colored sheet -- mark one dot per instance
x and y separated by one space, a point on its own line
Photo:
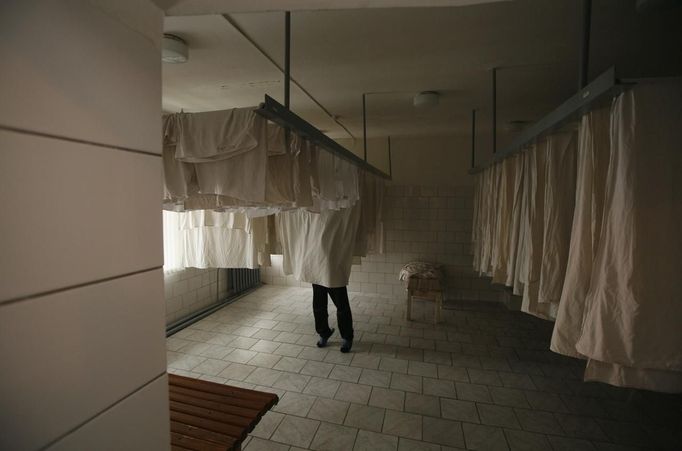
592 164
634 305
318 247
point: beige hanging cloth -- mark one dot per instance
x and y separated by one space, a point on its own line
521 260
535 229
515 220
634 305
503 224
559 203
592 164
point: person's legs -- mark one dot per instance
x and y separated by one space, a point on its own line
320 311
344 316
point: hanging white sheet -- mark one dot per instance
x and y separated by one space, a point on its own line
318 247
634 305
218 135
559 202
592 164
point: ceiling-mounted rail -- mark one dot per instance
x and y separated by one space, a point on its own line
282 115
601 90
278 113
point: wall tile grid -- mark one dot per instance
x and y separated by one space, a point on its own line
191 289
430 223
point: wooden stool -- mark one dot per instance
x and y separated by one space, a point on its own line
430 289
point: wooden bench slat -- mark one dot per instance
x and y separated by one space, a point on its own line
255 407
204 423
214 405
204 434
242 422
195 444
226 390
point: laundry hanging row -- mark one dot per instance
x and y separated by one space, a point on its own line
585 225
235 162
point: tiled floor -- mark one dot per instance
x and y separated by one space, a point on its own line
482 380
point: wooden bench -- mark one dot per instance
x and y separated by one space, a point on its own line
206 416
426 289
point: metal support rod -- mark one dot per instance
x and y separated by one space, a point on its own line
287 59
390 165
585 43
473 138
364 125
494 109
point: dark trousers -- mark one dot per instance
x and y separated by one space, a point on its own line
343 315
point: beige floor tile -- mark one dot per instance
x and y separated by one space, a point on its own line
356 393
406 444
259 444
290 364
473 392
267 425
293 403
439 387
263 376
387 398
365 417
498 416
240 356
237 371
403 424
296 431
366 361
443 432
393 365
292 382
212 367
423 405
264 360
375 378
407 383
422 369
372 441
313 353
288 350
479 437
265 346
346 373
334 437
453 373
453 409
329 410
320 386
319 369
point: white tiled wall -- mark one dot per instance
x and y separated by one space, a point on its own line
191 289
82 343
430 223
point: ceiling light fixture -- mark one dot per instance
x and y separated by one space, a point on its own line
174 49
426 99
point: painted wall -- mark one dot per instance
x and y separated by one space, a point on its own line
429 211
82 344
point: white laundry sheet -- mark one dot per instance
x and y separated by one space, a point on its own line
209 239
593 239
592 160
318 247
633 313
218 135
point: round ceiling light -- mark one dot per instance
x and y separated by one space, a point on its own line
174 49
426 98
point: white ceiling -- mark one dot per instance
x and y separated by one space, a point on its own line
391 54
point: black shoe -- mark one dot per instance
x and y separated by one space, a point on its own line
347 344
322 342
